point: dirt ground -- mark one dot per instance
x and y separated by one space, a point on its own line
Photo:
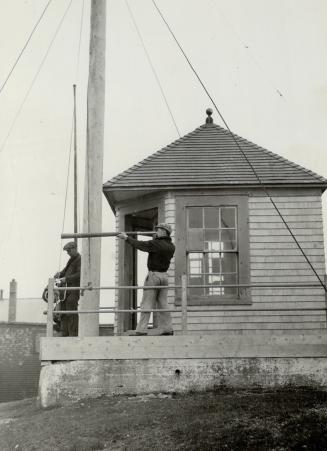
279 420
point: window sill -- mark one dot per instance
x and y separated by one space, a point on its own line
215 300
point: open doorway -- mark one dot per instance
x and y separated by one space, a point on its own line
136 261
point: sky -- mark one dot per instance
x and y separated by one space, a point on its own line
263 62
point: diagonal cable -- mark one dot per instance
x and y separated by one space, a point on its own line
35 78
66 190
25 45
241 150
152 67
79 40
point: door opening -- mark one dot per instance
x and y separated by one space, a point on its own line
136 261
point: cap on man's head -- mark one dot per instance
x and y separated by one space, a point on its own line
70 245
164 226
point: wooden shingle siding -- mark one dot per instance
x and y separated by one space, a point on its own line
275 258
269 326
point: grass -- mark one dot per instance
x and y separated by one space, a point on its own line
288 419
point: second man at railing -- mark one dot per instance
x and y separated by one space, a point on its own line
70 276
161 251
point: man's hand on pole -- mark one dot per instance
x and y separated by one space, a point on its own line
122 235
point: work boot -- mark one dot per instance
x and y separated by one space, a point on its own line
134 333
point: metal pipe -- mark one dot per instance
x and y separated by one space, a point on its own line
77 312
133 287
101 234
250 310
247 308
141 287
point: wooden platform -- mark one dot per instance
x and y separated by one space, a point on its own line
184 347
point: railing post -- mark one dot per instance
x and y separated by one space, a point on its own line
51 285
325 282
184 303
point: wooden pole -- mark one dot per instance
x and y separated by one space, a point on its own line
184 303
92 214
75 168
50 307
12 301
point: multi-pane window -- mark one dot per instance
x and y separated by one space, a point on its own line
212 250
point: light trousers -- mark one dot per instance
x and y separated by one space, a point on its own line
155 299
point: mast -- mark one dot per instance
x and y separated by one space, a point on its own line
75 168
92 213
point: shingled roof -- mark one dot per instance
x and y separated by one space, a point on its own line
209 156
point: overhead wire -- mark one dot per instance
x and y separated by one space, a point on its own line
66 190
72 130
35 77
152 67
261 184
24 47
79 41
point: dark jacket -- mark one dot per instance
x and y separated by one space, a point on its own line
161 251
72 271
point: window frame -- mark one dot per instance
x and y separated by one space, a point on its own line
181 259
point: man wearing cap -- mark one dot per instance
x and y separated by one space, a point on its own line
70 276
160 250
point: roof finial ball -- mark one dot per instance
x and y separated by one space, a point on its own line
209 119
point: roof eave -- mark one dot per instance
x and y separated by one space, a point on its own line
108 189
110 199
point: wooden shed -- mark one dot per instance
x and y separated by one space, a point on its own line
256 308
227 232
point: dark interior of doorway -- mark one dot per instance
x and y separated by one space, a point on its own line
142 221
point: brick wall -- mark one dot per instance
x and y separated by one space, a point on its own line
19 358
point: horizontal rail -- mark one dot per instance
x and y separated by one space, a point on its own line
245 309
101 234
156 287
76 312
126 287
138 310
184 309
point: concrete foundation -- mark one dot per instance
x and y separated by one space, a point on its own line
130 365
67 382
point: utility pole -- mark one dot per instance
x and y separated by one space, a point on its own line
92 214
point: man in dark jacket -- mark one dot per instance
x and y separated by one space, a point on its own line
70 276
161 251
